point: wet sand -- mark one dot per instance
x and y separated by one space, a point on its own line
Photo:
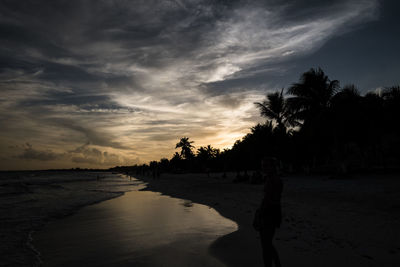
137 229
327 222
30 199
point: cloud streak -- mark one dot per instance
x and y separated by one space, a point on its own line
134 76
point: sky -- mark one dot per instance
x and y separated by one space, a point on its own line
100 83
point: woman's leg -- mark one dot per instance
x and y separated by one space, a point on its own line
270 254
266 235
275 257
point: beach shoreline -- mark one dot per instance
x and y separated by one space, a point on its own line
329 222
30 239
232 201
30 200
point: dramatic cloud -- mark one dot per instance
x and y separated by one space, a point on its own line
129 78
93 156
85 156
45 155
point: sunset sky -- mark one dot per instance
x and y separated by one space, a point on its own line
105 83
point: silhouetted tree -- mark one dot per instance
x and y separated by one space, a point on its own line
275 108
391 97
391 137
186 147
176 162
339 128
205 155
207 152
312 95
391 93
310 103
164 165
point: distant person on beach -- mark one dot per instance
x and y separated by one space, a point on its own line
268 216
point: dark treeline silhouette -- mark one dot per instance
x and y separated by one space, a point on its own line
315 126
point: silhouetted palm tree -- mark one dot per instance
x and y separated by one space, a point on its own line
346 118
186 147
274 108
205 157
349 91
207 152
346 99
312 94
310 104
176 162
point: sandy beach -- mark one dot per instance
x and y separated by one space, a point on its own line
327 222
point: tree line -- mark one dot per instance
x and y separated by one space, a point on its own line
313 126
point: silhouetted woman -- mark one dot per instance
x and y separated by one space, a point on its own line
269 216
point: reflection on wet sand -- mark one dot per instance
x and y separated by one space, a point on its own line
139 228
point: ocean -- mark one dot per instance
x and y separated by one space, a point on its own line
28 200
